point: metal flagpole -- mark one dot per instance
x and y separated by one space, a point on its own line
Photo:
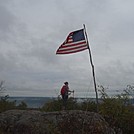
91 61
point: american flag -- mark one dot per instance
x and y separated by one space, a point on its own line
75 42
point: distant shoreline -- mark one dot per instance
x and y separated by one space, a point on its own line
38 102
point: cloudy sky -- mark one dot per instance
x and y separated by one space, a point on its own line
32 30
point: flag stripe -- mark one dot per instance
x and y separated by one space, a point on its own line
73 51
73 48
73 45
75 42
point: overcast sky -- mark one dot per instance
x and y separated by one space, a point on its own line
32 30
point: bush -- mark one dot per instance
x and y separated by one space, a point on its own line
57 104
6 105
88 106
22 106
117 111
53 105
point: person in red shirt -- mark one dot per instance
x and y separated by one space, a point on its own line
64 93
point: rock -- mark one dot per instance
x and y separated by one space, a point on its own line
60 122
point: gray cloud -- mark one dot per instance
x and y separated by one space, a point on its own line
31 31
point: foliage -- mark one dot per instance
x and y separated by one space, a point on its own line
57 104
72 104
54 105
6 105
2 88
88 105
102 91
22 106
117 111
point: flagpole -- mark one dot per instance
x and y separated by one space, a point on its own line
91 61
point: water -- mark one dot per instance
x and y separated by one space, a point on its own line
32 102
38 102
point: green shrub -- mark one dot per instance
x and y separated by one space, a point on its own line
57 104
88 106
6 105
22 106
52 105
117 111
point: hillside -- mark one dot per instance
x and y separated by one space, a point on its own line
60 122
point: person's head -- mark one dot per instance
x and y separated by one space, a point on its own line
66 83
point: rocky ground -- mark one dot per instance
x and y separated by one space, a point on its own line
60 122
